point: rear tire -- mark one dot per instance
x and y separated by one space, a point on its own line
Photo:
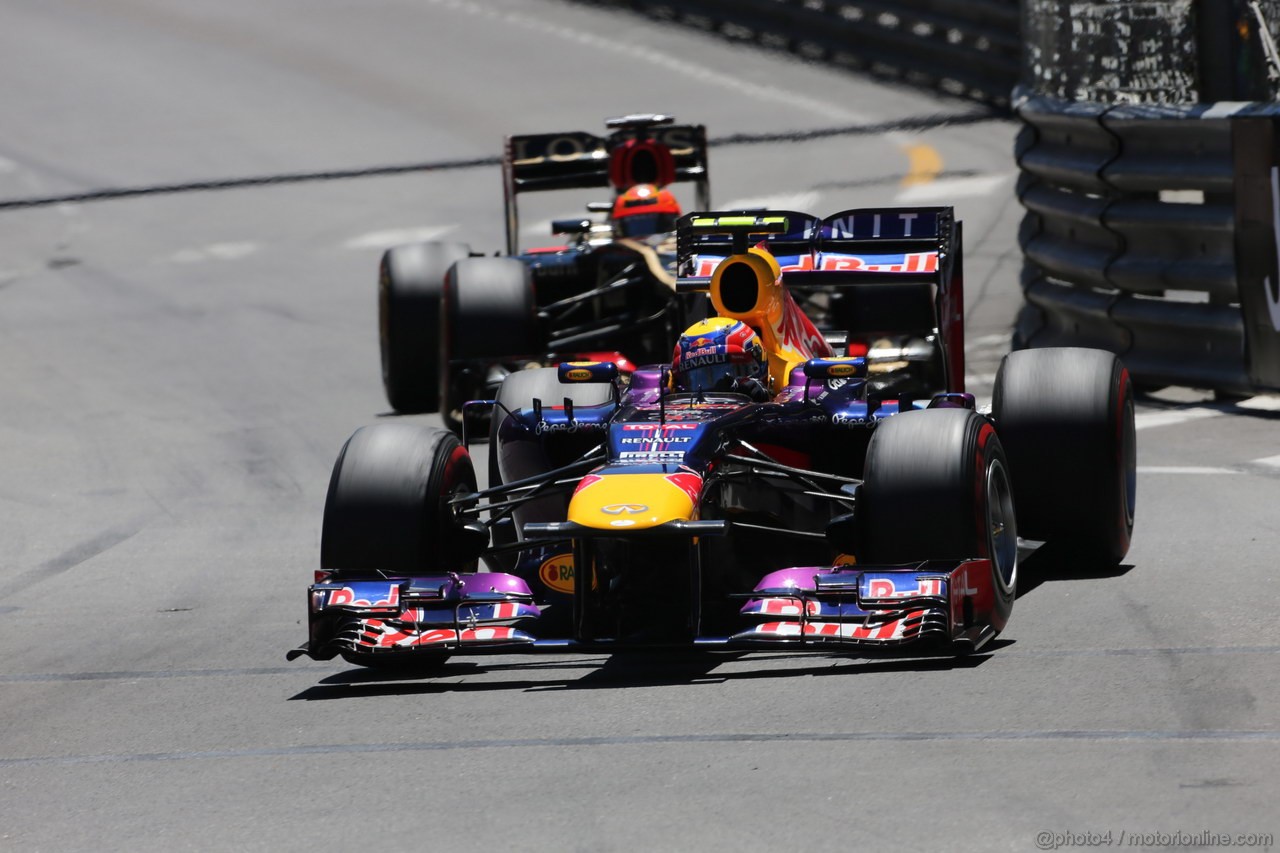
410 287
490 315
386 509
1065 416
937 487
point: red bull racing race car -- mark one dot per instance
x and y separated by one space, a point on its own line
760 488
452 323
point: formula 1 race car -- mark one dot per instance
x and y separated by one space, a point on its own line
760 490
452 324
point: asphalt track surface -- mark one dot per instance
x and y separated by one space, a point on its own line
178 372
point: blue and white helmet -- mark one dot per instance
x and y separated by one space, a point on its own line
716 354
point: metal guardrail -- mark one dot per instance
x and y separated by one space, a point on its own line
970 48
1151 231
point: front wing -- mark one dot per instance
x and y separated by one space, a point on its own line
932 604
934 607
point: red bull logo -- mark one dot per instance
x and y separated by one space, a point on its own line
878 588
346 597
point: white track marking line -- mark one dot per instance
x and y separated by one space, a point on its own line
1147 420
1269 461
212 252
951 188
1263 403
1185 469
396 237
989 341
230 251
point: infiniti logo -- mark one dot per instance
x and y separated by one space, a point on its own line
629 509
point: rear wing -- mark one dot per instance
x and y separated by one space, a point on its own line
641 149
906 264
699 247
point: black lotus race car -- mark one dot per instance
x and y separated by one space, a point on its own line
834 510
452 323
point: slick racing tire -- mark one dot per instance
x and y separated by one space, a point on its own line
386 510
490 316
518 391
937 487
1065 417
410 286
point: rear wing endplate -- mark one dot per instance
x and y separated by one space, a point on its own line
641 149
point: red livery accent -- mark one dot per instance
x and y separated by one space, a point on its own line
379 635
588 480
689 483
625 365
893 629
788 607
798 331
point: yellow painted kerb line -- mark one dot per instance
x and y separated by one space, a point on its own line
924 164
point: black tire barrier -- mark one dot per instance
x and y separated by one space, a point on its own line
1150 231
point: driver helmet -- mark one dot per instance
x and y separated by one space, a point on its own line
643 210
719 354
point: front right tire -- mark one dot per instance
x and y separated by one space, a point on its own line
387 509
937 487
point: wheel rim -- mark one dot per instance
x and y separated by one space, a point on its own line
1002 529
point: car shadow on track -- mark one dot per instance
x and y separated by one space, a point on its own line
621 670
1049 565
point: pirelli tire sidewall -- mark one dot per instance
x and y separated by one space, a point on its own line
410 288
937 487
387 506
1066 418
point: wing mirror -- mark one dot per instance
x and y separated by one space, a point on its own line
852 367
